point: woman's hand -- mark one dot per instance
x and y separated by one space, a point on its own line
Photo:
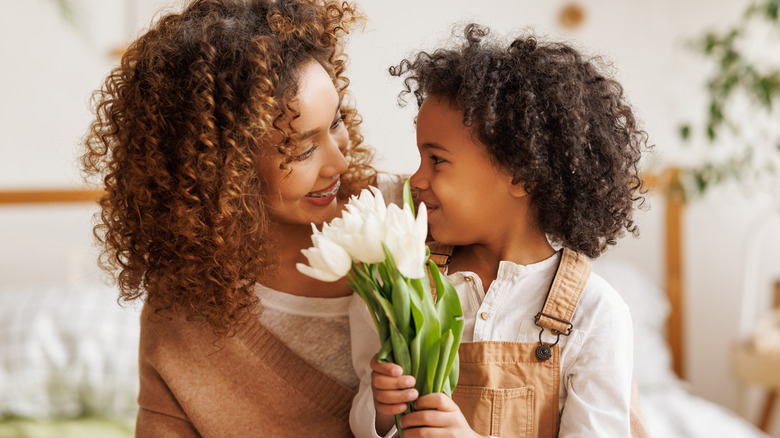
436 415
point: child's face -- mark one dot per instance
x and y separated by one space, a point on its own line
465 192
305 191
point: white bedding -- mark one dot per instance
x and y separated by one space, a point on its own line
67 351
669 409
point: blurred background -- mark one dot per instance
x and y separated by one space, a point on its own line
701 74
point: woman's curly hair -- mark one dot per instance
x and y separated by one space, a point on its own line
550 118
177 138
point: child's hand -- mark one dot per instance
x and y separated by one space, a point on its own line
392 391
436 415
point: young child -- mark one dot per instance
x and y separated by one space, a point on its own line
525 148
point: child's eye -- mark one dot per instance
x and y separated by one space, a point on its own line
338 122
436 159
306 154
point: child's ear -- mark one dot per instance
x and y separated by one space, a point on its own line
517 187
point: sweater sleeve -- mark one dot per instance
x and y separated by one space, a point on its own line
155 424
159 412
365 344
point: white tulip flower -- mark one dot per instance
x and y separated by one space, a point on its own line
369 203
328 261
362 238
405 238
360 229
385 248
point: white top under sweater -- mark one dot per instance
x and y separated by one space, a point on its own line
596 359
317 329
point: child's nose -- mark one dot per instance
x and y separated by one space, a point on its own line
418 181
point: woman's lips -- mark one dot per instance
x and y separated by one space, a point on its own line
324 197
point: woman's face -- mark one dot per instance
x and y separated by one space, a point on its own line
305 191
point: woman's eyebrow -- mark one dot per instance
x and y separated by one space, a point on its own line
308 134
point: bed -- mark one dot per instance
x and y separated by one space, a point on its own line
69 351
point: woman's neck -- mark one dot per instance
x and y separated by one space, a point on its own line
289 240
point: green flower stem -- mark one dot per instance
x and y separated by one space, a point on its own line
419 335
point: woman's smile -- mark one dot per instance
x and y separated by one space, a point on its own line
324 197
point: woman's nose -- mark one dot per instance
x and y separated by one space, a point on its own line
336 161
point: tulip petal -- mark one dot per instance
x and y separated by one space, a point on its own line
316 273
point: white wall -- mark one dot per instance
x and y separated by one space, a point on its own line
49 71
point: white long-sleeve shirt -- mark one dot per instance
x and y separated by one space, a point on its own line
596 358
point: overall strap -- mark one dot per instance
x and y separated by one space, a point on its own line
565 292
441 254
562 299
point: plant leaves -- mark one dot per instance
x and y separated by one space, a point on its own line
402 306
408 196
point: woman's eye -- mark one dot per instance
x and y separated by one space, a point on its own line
338 122
306 154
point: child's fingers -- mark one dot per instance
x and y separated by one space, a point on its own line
380 381
395 396
386 368
437 401
435 415
431 410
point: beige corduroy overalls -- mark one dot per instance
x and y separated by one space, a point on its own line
510 389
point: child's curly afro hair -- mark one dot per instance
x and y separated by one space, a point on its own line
550 117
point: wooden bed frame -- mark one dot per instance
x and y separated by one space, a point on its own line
666 183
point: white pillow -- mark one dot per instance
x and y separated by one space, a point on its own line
649 312
67 351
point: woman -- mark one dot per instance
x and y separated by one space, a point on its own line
220 138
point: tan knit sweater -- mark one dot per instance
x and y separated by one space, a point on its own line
249 385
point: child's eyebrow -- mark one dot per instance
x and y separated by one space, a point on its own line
435 146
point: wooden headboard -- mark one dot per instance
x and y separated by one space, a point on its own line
49 196
665 183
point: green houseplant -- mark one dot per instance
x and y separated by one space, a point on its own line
739 80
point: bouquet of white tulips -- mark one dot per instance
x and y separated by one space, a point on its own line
382 250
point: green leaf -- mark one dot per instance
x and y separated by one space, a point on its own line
432 352
386 278
685 132
408 196
361 288
446 342
450 314
402 306
400 349
772 9
386 352
415 344
428 331
452 355
452 381
447 303
389 262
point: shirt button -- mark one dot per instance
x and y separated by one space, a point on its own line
468 279
484 315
